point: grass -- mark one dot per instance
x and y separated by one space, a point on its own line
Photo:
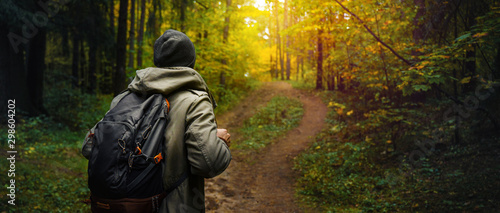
280 115
50 173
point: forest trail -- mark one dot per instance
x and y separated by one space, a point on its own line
264 181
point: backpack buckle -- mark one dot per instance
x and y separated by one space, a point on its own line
138 150
158 158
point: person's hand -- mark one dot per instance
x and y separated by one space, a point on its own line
226 137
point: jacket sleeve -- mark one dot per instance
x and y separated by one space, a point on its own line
207 154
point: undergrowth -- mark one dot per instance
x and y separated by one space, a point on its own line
50 172
379 157
228 98
280 115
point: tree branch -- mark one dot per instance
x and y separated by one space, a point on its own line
375 36
201 4
459 102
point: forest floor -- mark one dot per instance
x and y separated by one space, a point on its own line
263 181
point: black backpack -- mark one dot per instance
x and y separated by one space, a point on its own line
127 149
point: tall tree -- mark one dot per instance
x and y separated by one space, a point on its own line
111 14
418 31
140 34
225 36
36 68
121 49
75 60
22 57
131 35
287 48
319 74
12 73
280 51
183 8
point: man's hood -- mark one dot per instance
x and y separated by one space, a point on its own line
154 80
174 49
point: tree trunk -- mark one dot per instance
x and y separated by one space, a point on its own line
298 67
497 62
121 49
225 37
140 35
111 14
470 54
65 43
418 32
76 61
152 24
183 14
319 74
36 67
83 72
329 73
285 17
12 76
302 67
271 70
280 52
92 78
131 35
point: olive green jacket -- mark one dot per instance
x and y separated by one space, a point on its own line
191 146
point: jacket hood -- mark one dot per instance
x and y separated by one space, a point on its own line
154 80
174 49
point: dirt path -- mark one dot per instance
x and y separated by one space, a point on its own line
264 181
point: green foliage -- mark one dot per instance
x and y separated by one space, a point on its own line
304 85
280 115
50 171
385 157
228 98
439 64
75 109
336 176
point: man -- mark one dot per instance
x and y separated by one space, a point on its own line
194 148
194 145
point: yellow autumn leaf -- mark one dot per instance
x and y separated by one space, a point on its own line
465 80
350 112
339 111
477 35
389 141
